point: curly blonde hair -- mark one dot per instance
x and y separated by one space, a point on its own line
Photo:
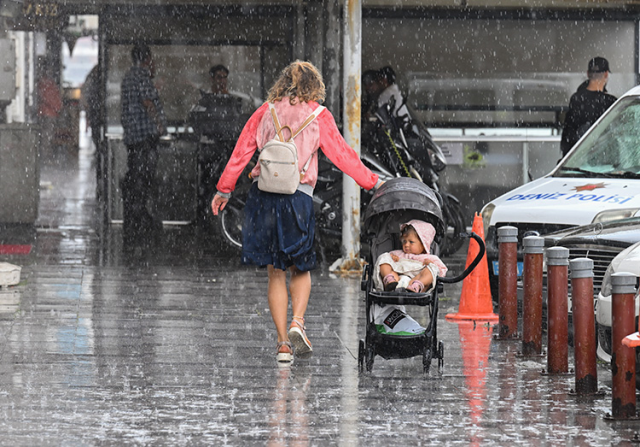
299 80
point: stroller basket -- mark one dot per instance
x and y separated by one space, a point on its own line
395 202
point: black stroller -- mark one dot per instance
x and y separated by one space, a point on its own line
397 201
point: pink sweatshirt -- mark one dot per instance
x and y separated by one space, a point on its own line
321 133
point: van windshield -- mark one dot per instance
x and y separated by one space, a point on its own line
611 149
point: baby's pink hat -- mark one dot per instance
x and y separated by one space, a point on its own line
426 232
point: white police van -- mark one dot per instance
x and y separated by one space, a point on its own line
598 181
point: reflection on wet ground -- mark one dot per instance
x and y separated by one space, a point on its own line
175 346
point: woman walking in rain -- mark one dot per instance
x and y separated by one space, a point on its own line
278 230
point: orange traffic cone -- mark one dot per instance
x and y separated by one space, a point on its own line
475 301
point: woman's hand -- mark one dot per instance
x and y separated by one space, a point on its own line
218 203
395 258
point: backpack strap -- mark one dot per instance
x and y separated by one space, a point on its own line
276 123
311 117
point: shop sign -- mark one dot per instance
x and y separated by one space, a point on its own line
40 15
40 10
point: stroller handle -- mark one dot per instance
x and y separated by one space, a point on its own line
471 266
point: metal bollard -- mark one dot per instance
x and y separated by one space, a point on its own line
623 358
532 298
584 331
557 310
508 282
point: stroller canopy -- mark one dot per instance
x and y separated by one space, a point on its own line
409 199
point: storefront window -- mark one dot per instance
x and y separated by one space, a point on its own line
182 76
469 73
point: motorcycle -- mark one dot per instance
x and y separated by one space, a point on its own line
404 145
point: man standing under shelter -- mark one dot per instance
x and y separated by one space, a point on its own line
216 119
143 122
49 106
587 104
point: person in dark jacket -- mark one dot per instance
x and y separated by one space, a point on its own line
587 104
143 122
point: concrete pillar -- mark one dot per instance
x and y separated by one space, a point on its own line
351 129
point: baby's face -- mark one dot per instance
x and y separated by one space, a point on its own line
411 243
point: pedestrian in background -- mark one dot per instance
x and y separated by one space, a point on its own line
143 121
371 88
92 103
49 106
278 230
587 104
219 80
392 95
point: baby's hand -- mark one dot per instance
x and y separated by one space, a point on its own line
395 258
426 262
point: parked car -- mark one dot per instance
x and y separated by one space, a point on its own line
627 261
598 181
600 242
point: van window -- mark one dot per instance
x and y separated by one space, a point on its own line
612 149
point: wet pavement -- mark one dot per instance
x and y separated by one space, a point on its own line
174 345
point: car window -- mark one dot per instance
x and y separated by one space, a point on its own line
612 149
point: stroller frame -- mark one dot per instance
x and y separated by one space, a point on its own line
391 346
382 218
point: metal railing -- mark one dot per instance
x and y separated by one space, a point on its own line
524 142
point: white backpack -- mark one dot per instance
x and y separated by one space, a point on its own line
278 159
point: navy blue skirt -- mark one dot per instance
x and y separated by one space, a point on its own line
279 230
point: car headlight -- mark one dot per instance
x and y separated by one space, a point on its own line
609 215
606 288
487 212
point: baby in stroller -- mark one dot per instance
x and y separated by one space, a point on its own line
412 268
391 333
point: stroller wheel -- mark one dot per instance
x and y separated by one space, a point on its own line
426 360
440 355
361 354
369 356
